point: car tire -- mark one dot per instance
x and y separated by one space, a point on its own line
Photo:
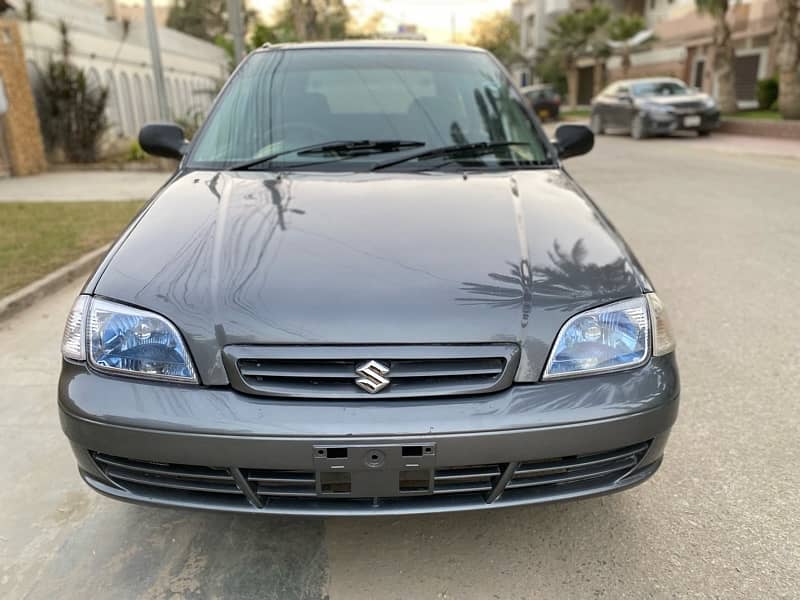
703 132
638 130
596 124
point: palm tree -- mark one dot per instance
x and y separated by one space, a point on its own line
787 39
724 56
571 36
567 41
622 31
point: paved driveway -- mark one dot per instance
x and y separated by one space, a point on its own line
719 234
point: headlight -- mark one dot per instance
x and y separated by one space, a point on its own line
610 338
125 340
709 103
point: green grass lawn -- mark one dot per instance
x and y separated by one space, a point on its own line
575 115
38 237
766 115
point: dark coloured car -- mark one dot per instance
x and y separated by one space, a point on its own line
369 288
655 106
544 99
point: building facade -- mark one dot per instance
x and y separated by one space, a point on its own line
536 17
114 52
682 48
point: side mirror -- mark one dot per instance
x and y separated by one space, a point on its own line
163 139
573 140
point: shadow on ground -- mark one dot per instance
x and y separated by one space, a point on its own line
127 551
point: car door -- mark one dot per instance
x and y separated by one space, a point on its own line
604 104
617 103
624 108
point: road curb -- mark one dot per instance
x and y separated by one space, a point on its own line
787 130
26 296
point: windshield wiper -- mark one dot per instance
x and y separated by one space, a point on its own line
474 150
348 148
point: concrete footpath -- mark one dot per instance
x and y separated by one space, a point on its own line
82 186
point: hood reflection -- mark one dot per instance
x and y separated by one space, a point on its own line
568 281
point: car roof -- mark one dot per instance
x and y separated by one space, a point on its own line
647 80
370 45
537 86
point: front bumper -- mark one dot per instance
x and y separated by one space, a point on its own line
216 449
664 123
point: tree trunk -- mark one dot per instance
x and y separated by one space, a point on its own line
626 61
724 59
303 17
572 86
597 75
788 58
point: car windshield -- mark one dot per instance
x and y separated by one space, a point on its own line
541 93
659 88
401 101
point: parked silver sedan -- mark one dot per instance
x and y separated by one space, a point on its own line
654 106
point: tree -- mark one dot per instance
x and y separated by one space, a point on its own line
204 19
548 69
498 33
724 56
621 32
312 20
787 40
573 35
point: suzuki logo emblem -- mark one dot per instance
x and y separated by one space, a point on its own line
373 376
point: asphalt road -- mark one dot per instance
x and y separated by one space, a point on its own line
719 233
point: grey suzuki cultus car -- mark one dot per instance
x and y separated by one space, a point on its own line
369 288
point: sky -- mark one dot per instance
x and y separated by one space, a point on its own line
433 17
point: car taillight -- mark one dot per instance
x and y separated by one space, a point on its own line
557 99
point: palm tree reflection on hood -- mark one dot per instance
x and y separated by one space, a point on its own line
567 283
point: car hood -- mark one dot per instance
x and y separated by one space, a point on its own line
302 258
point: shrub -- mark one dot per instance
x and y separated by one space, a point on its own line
190 123
135 152
767 93
71 112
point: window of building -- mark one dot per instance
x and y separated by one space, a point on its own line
113 110
138 102
127 118
151 103
697 79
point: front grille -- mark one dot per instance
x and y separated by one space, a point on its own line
576 470
294 484
330 372
176 480
481 484
687 107
480 479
